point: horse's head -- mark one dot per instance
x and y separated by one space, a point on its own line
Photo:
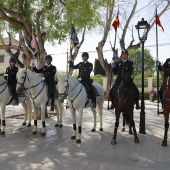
126 84
22 80
63 87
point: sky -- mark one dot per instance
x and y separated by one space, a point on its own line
59 52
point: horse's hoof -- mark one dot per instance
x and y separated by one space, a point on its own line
60 126
93 130
34 133
113 142
130 132
43 134
136 140
101 129
164 143
3 133
56 125
123 129
29 125
24 124
73 137
78 141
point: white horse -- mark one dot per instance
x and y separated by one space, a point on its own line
77 100
39 96
6 99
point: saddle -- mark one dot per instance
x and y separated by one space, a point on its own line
87 89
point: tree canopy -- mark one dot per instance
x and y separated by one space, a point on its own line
136 57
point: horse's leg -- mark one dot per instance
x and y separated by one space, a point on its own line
166 116
132 124
73 113
25 116
100 110
61 109
43 107
78 138
94 115
3 107
29 111
35 122
57 113
116 127
123 128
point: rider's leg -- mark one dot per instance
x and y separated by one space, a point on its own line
52 87
93 95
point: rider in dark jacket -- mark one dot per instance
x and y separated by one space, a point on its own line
85 68
10 75
49 72
124 68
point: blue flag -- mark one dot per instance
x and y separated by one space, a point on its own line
33 44
74 37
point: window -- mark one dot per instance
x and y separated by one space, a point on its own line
2 58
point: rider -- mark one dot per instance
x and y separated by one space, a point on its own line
124 69
10 75
49 72
166 65
85 69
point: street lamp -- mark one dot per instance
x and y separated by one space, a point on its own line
142 28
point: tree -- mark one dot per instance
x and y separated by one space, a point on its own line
136 57
50 19
98 68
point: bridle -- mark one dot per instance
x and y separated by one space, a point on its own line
65 94
28 88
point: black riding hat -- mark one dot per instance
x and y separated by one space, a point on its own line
125 51
49 57
12 60
85 54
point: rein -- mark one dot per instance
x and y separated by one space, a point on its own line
5 86
66 92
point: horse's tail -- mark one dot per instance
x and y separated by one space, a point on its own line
126 118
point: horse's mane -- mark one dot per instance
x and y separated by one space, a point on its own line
2 80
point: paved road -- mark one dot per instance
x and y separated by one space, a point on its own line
20 150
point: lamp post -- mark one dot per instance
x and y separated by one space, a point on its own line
142 27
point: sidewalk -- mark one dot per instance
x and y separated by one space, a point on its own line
20 150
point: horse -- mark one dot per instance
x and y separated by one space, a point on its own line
78 100
7 99
27 80
124 100
166 103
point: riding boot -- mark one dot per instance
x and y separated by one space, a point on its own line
93 100
16 99
52 103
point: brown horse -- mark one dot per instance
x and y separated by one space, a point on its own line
166 102
124 100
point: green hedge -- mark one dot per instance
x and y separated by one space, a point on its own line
146 95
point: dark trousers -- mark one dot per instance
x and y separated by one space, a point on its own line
52 92
92 92
13 91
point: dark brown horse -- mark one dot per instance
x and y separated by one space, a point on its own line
124 100
166 102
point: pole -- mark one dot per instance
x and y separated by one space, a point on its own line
142 113
67 65
111 76
157 70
